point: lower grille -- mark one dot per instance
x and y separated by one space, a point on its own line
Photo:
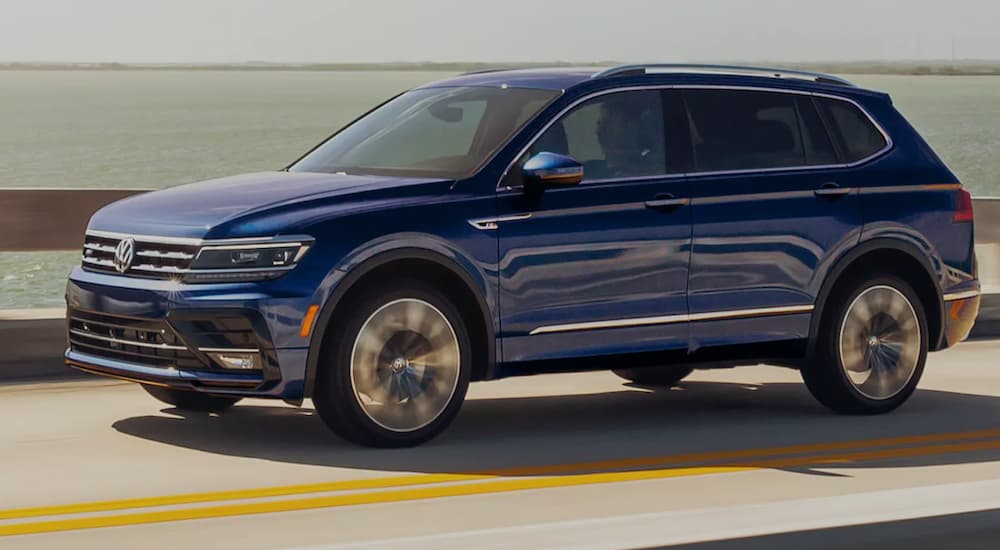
145 341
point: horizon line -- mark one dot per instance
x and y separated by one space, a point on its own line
939 60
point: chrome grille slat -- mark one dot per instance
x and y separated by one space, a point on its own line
124 342
161 361
147 341
104 326
99 247
168 255
98 261
159 269
123 330
154 259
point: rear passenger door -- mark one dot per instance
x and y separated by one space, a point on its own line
769 210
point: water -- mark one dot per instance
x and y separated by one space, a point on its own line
163 128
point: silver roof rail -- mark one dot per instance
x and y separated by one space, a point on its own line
652 68
485 71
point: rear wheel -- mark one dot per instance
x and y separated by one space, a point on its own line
667 375
395 374
872 348
191 400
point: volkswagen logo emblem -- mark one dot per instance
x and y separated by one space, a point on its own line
124 254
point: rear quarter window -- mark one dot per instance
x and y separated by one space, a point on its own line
858 136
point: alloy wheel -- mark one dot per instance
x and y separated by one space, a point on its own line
880 342
405 365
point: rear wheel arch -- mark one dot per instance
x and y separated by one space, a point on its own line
412 263
884 256
872 348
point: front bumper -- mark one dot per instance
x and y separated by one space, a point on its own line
168 334
163 376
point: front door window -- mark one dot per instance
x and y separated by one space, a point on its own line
615 136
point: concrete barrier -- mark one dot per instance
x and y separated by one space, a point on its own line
27 221
34 340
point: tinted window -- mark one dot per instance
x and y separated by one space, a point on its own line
737 130
616 135
816 140
444 132
858 137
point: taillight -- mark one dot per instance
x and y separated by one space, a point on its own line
963 207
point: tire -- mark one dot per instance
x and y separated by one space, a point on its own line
871 348
663 376
191 400
376 384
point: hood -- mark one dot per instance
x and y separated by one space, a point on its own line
193 210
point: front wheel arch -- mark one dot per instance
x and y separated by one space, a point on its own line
477 310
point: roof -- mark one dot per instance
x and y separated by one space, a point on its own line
568 77
546 79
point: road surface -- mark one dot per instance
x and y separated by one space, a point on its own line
574 460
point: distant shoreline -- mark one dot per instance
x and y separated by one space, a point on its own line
961 68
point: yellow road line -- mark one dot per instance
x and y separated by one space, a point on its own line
484 487
746 453
238 494
428 479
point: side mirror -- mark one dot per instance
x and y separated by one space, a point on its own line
550 170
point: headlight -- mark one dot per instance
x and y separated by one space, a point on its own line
259 261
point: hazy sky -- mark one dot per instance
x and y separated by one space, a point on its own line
495 30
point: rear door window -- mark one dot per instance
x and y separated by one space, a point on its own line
858 136
751 130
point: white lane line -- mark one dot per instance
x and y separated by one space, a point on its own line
712 524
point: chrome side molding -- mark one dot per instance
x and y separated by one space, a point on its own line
668 319
486 224
952 296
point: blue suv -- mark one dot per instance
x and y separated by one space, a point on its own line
648 219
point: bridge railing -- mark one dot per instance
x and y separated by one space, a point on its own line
34 220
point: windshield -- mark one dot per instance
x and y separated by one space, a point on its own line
432 132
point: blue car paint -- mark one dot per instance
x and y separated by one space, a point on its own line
253 205
731 252
765 247
591 252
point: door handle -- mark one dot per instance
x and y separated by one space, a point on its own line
832 190
666 201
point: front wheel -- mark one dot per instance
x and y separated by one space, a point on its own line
872 348
191 400
395 374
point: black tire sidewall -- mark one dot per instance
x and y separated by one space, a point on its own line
335 399
844 396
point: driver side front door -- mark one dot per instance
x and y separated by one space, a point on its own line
600 267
